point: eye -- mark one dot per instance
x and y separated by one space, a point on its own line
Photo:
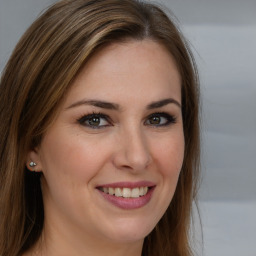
160 119
95 121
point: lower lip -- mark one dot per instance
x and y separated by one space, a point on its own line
129 203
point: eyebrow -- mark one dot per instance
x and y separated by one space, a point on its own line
161 103
96 103
113 106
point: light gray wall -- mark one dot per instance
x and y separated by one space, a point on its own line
223 35
15 17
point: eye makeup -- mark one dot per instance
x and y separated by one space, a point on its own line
95 120
98 120
160 119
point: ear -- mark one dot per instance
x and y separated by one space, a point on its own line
33 162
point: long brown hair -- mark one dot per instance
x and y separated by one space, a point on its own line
38 75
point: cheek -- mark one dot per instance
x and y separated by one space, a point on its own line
68 167
74 159
170 155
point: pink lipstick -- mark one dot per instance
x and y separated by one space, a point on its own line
127 195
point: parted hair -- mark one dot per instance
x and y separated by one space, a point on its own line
34 82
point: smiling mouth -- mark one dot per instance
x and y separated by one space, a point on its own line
125 192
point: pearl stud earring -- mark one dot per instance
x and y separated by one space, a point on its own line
32 164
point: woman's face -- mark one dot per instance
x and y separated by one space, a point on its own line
112 158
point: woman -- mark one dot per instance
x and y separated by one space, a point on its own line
100 135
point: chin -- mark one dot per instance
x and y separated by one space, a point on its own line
131 231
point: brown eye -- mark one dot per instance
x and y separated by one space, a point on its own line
94 121
160 119
155 120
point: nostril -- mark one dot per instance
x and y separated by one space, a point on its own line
127 167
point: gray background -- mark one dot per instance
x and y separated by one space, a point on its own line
223 37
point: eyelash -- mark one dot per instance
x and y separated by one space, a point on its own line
99 115
170 119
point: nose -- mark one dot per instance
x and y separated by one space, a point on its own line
133 152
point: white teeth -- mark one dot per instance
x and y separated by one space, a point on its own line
111 191
118 192
141 191
135 192
126 192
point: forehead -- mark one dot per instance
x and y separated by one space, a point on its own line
144 67
131 53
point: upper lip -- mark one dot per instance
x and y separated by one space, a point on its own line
127 184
